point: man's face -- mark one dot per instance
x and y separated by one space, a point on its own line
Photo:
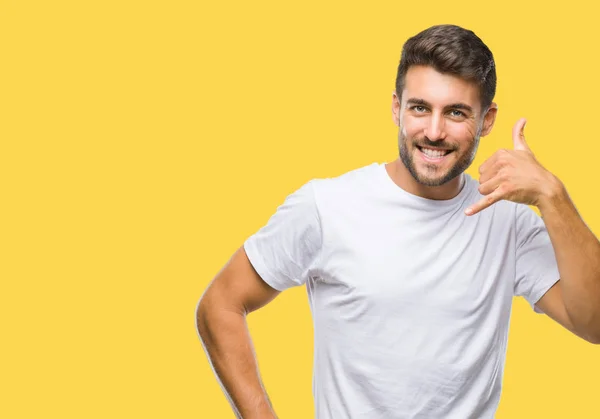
440 120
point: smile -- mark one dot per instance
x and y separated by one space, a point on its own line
432 154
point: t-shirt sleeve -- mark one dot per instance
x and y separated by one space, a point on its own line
285 250
536 267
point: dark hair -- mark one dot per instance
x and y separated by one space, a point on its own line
452 50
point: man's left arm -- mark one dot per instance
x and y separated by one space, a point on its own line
577 253
515 175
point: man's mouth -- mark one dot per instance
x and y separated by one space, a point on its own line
435 154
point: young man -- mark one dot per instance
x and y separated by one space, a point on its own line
411 266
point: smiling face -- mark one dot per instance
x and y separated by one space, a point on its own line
440 120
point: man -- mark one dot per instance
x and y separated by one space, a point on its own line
411 266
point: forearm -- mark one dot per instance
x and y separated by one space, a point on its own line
577 253
226 339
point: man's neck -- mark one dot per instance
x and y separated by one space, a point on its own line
404 179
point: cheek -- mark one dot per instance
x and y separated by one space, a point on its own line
412 127
462 133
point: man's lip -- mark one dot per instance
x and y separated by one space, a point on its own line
420 147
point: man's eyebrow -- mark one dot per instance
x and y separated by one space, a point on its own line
417 101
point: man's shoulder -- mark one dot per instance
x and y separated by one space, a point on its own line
346 189
362 176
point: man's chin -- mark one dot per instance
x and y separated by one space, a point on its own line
434 177
427 173
428 177
432 181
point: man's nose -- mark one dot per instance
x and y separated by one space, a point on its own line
435 129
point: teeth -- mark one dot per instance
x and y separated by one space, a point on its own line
435 154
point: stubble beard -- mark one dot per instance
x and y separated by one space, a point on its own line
436 179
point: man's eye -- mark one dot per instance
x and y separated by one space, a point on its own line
457 113
419 108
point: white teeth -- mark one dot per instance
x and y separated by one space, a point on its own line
435 154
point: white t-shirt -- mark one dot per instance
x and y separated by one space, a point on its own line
410 298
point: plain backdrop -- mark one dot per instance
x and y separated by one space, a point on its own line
141 142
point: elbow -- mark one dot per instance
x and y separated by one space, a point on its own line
201 319
588 326
211 312
593 338
592 334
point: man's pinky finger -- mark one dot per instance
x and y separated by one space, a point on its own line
485 202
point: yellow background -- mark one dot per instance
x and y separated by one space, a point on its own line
143 142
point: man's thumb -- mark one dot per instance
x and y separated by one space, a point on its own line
519 136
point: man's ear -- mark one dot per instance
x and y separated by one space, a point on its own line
489 119
396 108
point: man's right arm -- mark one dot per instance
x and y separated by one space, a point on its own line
221 321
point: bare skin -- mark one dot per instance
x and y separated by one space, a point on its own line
442 112
236 291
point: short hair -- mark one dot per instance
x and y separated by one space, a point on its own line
451 49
